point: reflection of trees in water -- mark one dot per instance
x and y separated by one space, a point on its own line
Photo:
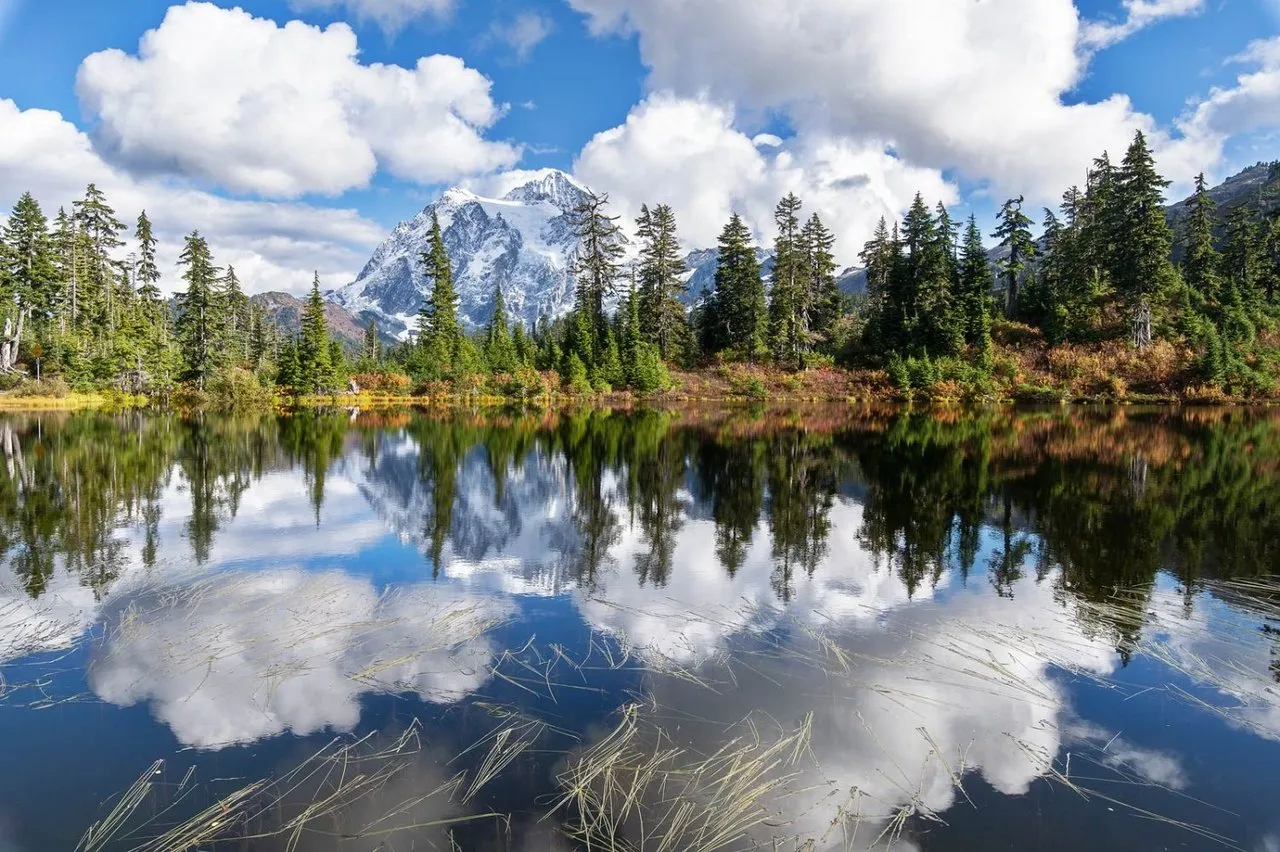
1100 502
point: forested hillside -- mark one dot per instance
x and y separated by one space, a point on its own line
1080 300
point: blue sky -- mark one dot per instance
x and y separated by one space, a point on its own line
296 132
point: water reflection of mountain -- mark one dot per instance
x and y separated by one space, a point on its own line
919 593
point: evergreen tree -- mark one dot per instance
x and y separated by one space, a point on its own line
789 299
287 374
596 267
259 338
499 348
440 334
147 274
315 366
885 311
236 309
939 325
824 292
523 346
1014 231
974 289
662 286
199 325
96 219
736 316
1144 273
371 351
1201 261
28 278
1242 258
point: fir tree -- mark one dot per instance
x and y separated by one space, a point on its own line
885 312
824 292
1144 273
523 346
440 333
147 274
499 348
96 219
1241 261
1014 232
1201 261
371 351
662 285
287 366
789 299
236 309
974 289
315 367
596 266
27 280
736 316
199 326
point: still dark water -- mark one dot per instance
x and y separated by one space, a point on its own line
695 630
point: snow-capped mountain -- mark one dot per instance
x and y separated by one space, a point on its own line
522 242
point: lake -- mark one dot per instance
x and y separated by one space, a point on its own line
697 629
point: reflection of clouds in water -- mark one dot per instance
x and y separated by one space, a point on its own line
929 692
1221 646
275 521
1114 751
55 620
235 657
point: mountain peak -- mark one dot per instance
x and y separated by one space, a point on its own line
551 185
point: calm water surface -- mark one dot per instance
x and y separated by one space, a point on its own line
696 630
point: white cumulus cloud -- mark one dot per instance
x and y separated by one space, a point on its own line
273 245
982 88
257 107
687 152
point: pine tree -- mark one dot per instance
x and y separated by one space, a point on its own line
440 334
974 289
315 368
287 373
236 310
662 286
596 266
939 327
1242 258
788 302
523 346
1144 273
885 312
1014 231
96 219
259 338
371 351
1201 261
499 348
824 292
28 277
147 274
737 317
199 325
